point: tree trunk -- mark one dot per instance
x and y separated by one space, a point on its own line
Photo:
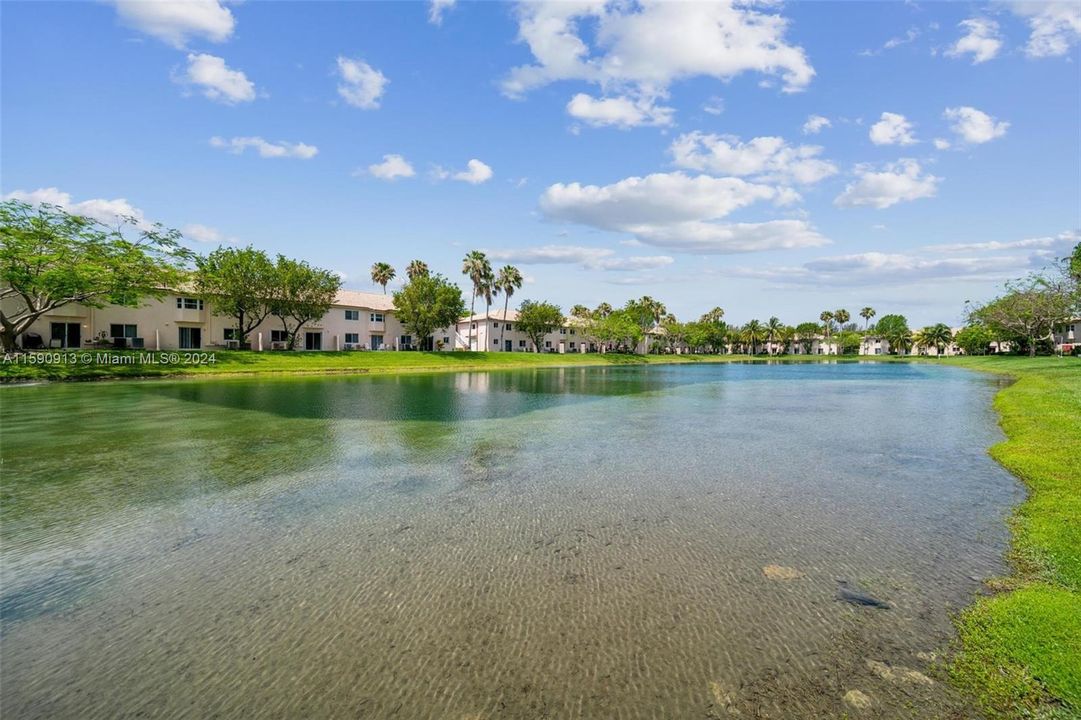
469 327
8 339
503 327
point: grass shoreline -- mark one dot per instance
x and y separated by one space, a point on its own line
1019 647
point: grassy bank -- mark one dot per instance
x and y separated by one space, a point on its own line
1020 647
113 364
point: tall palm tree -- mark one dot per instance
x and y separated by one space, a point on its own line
416 269
787 336
867 313
603 310
580 311
508 280
382 273
753 332
841 316
773 329
827 322
714 316
476 267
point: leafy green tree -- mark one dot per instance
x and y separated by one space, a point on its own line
427 303
806 334
382 273
867 313
508 280
787 336
674 332
415 269
848 342
240 283
302 293
50 258
974 339
537 319
1074 263
894 329
617 328
1032 308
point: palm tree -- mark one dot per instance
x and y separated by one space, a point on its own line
752 333
841 316
476 267
603 310
827 322
580 311
867 313
382 273
787 336
416 269
938 336
508 280
773 328
714 316
488 291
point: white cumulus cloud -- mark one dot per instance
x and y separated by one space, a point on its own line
265 148
392 167
679 212
975 126
982 40
766 158
476 172
622 112
815 124
216 80
902 181
205 234
639 49
360 84
177 22
100 209
1055 26
892 129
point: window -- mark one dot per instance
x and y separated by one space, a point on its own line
547 343
495 325
473 326
572 331
406 340
562 331
377 317
521 343
352 338
508 327
572 346
230 334
352 314
183 303
377 342
495 341
278 336
123 331
446 340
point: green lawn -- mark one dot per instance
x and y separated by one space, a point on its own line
1020 647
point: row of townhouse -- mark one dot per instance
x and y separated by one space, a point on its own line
355 321
1064 338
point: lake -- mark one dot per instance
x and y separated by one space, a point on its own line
632 542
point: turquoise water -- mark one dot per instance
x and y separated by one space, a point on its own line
594 542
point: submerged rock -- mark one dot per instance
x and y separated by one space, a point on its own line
855 596
898 673
858 700
780 572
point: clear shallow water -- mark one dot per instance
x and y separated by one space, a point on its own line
552 543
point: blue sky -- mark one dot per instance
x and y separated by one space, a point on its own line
772 159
